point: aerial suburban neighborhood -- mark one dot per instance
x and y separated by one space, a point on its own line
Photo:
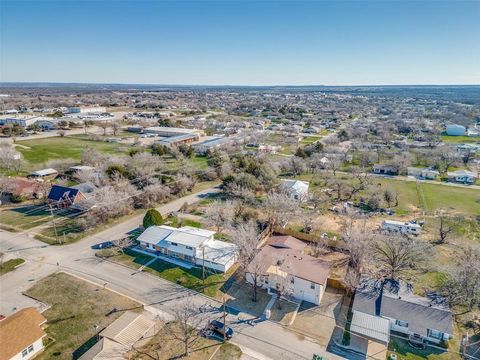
151 211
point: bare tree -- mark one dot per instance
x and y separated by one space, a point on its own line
10 159
123 243
247 239
6 187
104 125
463 284
219 214
284 281
279 209
395 255
444 229
115 127
188 320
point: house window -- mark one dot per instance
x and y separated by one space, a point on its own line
435 334
292 280
24 352
30 348
401 323
173 244
189 248
312 285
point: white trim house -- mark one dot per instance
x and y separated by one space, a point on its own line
283 264
462 177
188 245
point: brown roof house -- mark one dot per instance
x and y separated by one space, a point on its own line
283 267
21 335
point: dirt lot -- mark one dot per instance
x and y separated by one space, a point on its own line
319 322
239 297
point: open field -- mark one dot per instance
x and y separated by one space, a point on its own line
459 139
76 306
39 151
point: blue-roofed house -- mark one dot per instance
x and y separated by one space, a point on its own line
65 196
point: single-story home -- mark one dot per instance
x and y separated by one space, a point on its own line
22 334
385 169
295 189
121 335
283 262
423 173
18 186
384 306
462 177
188 246
65 196
401 227
44 174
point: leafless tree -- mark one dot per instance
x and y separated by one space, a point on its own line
247 238
284 281
10 159
334 163
123 243
43 189
6 186
115 127
358 241
152 194
104 125
445 157
61 133
188 322
444 229
395 255
219 214
183 184
463 284
279 209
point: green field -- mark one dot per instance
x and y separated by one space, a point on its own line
39 151
10 265
307 140
459 139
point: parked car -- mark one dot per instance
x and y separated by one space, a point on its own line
104 245
217 326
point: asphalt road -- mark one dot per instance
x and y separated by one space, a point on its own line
265 340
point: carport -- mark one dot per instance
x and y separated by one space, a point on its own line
374 332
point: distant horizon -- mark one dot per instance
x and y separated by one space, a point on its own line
244 43
230 85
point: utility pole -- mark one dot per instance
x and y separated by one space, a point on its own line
203 268
224 322
54 223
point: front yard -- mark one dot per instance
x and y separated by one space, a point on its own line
189 278
76 306
164 346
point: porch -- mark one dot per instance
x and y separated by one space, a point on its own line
157 254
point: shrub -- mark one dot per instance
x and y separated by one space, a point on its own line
152 217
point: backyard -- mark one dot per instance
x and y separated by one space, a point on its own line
76 306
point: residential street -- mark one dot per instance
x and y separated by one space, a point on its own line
266 340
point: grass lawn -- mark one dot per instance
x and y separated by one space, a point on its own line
307 140
459 139
76 306
10 265
189 278
163 346
25 217
406 352
200 162
40 151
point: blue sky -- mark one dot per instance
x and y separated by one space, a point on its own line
241 42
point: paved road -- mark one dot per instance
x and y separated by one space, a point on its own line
266 340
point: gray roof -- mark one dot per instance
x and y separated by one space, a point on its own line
398 302
188 236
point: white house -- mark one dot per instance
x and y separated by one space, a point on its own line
188 246
87 110
21 335
456 130
401 227
295 189
282 266
380 307
43 174
462 176
423 173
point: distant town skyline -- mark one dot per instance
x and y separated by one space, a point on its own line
241 43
